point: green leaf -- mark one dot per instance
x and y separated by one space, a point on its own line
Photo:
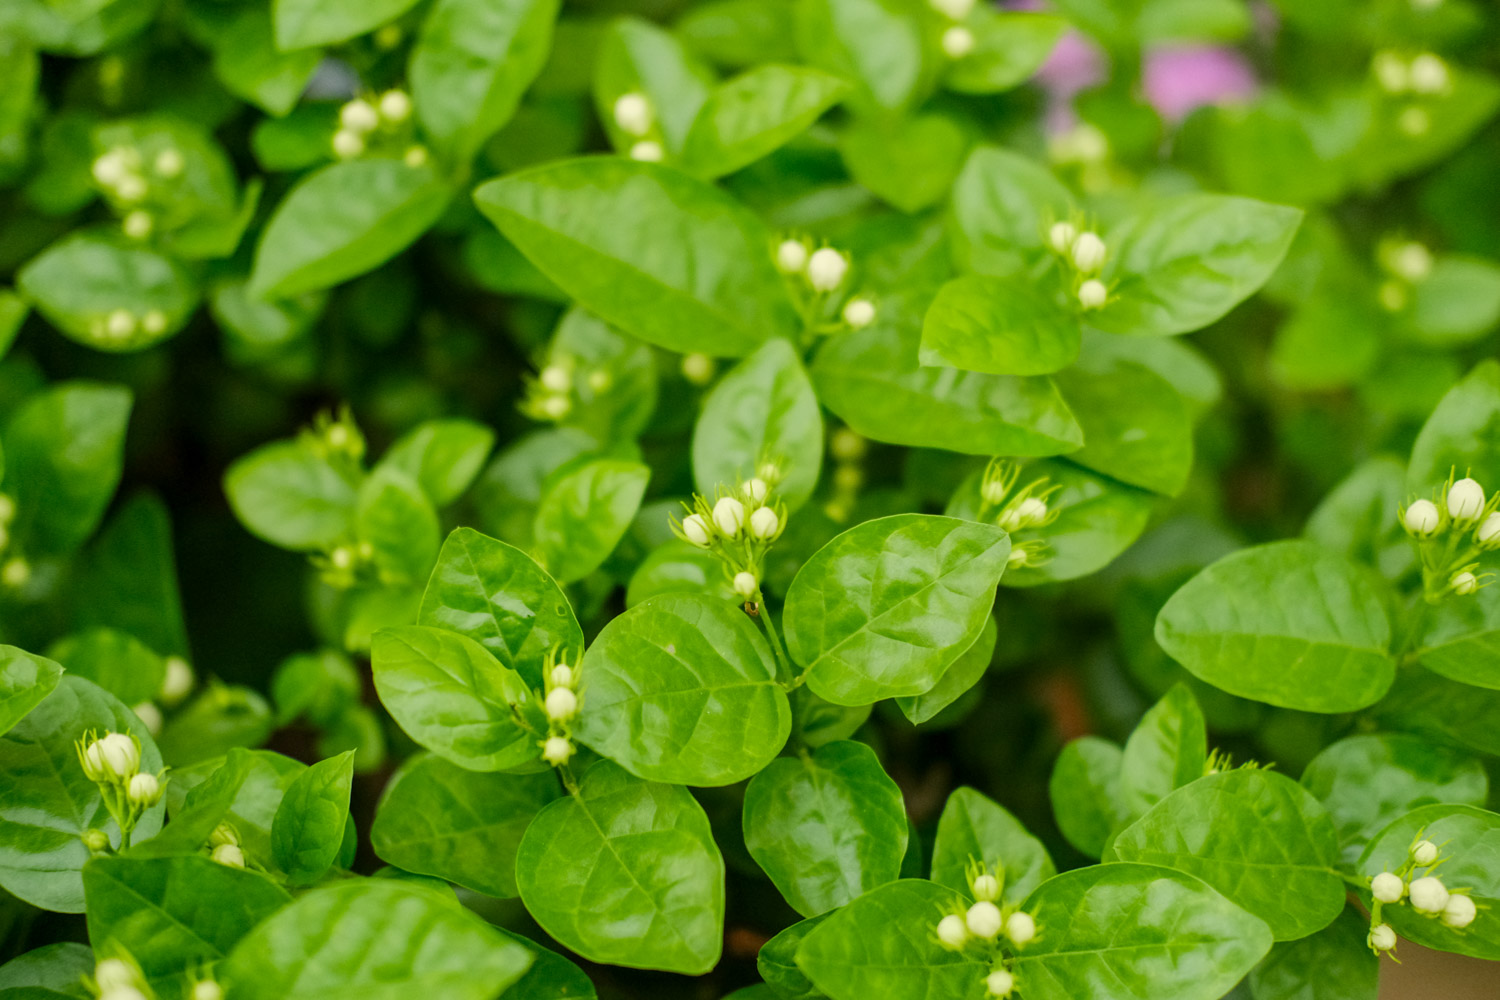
1004 326
1461 639
24 681
678 567
909 163
471 64
755 113
1008 48
309 825
301 24
636 56
127 579
777 962
827 826
874 43
1462 435
616 234
289 495
1365 782
51 972
199 809
396 518
174 915
883 609
1136 427
763 410
117 662
1168 749
246 59
960 677
584 514
974 827
1355 517
46 802
1458 302
1140 929
551 977
626 872
1333 964
441 456
64 452
1003 204
437 818
683 689
1189 260
1289 623
498 596
374 938
1086 793
1256 836
218 719
451 696
82 281
343 220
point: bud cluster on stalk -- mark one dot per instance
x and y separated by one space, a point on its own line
1412 83
113 763
1082 253
957 40
552 394
1417 884
820 289
1018 511
1451 532
1406 264
635 116
989 927
224 846
560 702
739 527
338 439
381 125
847 449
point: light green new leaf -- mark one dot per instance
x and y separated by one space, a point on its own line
211 792
961 676
883 609
658 254
755 113
1458 302
1168 749
291 496
442 456
301 24
1334 964
1086 794
309 826
378 939
626 872
1461 639
24 681
395 516
1462 435
1256 836
584 514
974 827
1289 623
1003 204
907 162
1004 326
1136 428
763 410
683 689
827 826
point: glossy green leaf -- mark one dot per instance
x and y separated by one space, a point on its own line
974 827
753 114
1457 302
442 456
51 972
309 826
1086 793
393 514
584 514
883 609
551 977
1003 204
198 809
678 567
1008 48
1461 639
1333 964
1004 326
827 827
960 677
683 689
1136 428
626 872
24 681
777 962
289 495
117 662
1463 434
1355 518
304 23
909 163
1289 623
874 43
1168 749
636 56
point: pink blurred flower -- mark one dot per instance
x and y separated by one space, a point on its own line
1180 79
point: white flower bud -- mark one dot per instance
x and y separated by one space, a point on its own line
848 477
1387 888
1465 500
769 471
697 368
229 854
983 920
207 990
562 704
826 269
1428 895
347 145
633 114
791 256
756 489
15 573
556 378
764 523
95 840
1424 853
1488 533
395 106
1391 72
1088 252
415 156
957 10
556 750
647 151
110 168
696 530
119 324
952 932
137 224
1032 510
223 834
359 115
1412 261
1429 74
1061 236
859 313
1392 296
1092 294
1422 518
154 322
1000 983
93 762
120 754
556 407
599 380
131 188
562 676
958 42
1382 938
1415 121
150 717
1018 557
1464 583
168 163
729 515
113 973
745 584
144 790
1020 928
123 993
847 446
985 887
1459 912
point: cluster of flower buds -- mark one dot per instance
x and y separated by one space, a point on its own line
1083 252
1416 884
343 566
823 271
739 527
550 395
1471 523
121 327
1413 81
15 573
560 702
635 116
989 926
126 178
957 40
848 450
118 977
1406 263
381 124
1017 510
224 846
113 762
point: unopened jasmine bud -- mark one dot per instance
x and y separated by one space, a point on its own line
1088 252
848 477
1092 294
1018 557
1061 236
556 407
1459 911
1412 261
1488 532
769 471
150 717
826 269
756 489
985 887
359 115
1020 928
633 114
847 446
561 703
229 854
144 790
952 932
123 993
137 224
113 973
957 10
1422 518
556 378
95 840
1428 895
696 530
15 573
207 990
223 834
1429 74
154 322
1000 983
120 324
92 761
1392 296
745 584
415 156
958 42
562 676
395 106
599 380
983 920
859 313
791 256
647 151
1465 500
1464 583
1414 121
347 144
388 37
131 188
729 515
168 163
556 750
764 523
121 755
1424 853
1391 72
1382 938
1387 888
342 558
697 368
110 168
1032 510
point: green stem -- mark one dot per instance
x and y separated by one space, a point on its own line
783 664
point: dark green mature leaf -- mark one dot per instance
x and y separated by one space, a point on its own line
658 254
960 677
884 608
498 596
1168 749
442 456
1461 639
1185 263
1289 623
1004 326
827 827
1463 433
1136 930
551 977
174 915
51 972
1256 836
46 803
1086 793
763 410
471 64
451 696
884 944
301 24
626 872
1136 427
437 818
777 962
117 662
874 43
374 938
975 827
1008 48
1470 843
394 515
584 514
342 221
63 458
753 114
24 681
683 689
309 826
1367 781
1003 204
1333 964
291 496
